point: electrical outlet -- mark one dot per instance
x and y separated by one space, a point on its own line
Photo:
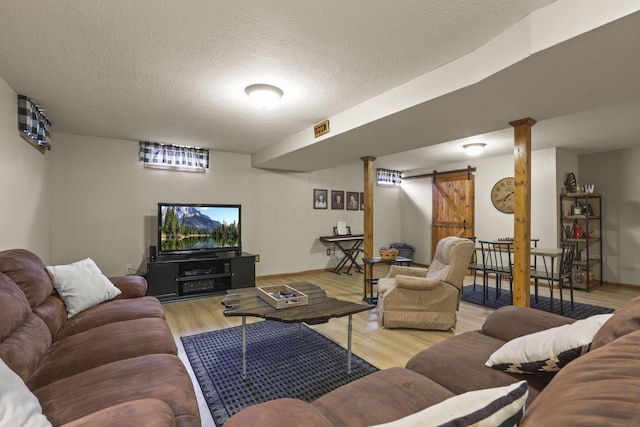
328 252
257 258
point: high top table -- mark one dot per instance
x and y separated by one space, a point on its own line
320 309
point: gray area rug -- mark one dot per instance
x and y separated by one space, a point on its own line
580 311
279 364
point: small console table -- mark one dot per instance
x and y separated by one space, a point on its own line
370 281
175 279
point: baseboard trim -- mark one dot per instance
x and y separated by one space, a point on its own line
321 270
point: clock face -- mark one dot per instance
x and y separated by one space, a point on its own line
502 195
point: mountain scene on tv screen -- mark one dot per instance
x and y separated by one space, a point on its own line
186 228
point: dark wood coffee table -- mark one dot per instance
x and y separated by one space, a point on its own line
320 309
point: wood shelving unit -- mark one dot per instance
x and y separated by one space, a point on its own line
589 247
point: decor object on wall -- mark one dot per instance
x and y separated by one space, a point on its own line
263 95
474 149
570 183
33 124
353 203
319 199
173 157
337 199
361 201
321 128
502 195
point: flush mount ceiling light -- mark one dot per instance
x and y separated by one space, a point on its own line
263 95
474 149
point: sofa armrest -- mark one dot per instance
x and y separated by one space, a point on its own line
279 413
150 412
507 323
417 283
404 270
131 286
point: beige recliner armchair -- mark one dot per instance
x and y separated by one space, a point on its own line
414 297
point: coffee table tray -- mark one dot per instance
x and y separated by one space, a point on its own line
273 296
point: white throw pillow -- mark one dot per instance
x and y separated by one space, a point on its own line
18 406
81 285
491 407
548 350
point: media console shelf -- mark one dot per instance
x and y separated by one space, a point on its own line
175 279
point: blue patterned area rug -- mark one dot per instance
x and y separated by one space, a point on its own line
580 311
279 364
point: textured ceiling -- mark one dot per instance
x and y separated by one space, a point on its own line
175 71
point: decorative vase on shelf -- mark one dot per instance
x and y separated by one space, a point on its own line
579 277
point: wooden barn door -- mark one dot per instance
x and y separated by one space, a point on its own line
453 197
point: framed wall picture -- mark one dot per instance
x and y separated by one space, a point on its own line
353 201
361 201
319 199
337 199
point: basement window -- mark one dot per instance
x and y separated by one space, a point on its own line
388 178
33 124
174 157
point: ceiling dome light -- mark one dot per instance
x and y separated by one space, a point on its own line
474 149
263 95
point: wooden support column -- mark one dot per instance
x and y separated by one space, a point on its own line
522 212
369 181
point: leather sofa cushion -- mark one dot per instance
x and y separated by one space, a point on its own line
597 389
131 286
158 376
380 397
111 312
511 322
270 413
28 271
625 320
53 312
154 412
14 307
24 337
458 365
103 345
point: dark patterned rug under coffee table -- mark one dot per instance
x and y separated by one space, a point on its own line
318 309
279 364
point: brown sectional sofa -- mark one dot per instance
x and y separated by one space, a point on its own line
601 387
112 364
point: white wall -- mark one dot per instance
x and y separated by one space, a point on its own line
91 197
24 185
616 176
105 206
490 223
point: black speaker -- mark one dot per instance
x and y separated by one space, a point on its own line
152 253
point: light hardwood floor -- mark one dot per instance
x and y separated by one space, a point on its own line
381 347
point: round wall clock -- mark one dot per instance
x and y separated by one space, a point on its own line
502 195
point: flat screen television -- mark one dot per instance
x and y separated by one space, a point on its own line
198 229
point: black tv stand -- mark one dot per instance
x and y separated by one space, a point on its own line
171 279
